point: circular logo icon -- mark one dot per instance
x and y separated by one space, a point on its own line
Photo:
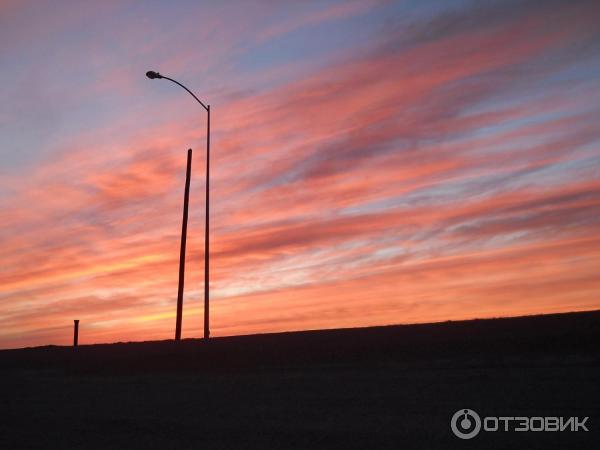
465 423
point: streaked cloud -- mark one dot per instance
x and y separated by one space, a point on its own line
443 166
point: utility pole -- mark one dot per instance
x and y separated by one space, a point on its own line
186 199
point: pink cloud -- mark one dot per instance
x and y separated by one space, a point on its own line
375 190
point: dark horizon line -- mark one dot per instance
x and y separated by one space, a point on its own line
312 330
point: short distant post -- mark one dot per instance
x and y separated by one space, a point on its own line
75 332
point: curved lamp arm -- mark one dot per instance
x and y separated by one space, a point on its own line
152 75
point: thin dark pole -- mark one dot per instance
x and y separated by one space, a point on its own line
186 199
206 247
75 332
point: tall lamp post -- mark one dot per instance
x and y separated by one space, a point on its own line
153 75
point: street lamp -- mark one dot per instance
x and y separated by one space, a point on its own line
153 75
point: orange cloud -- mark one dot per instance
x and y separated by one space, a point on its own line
409 183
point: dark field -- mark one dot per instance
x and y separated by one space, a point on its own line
386 387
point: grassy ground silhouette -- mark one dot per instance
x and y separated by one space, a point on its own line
382 387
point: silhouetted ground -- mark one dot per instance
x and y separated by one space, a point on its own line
384 387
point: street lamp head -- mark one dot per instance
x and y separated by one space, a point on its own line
152 75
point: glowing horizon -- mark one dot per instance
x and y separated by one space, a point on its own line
373 162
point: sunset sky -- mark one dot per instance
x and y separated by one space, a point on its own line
373 162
